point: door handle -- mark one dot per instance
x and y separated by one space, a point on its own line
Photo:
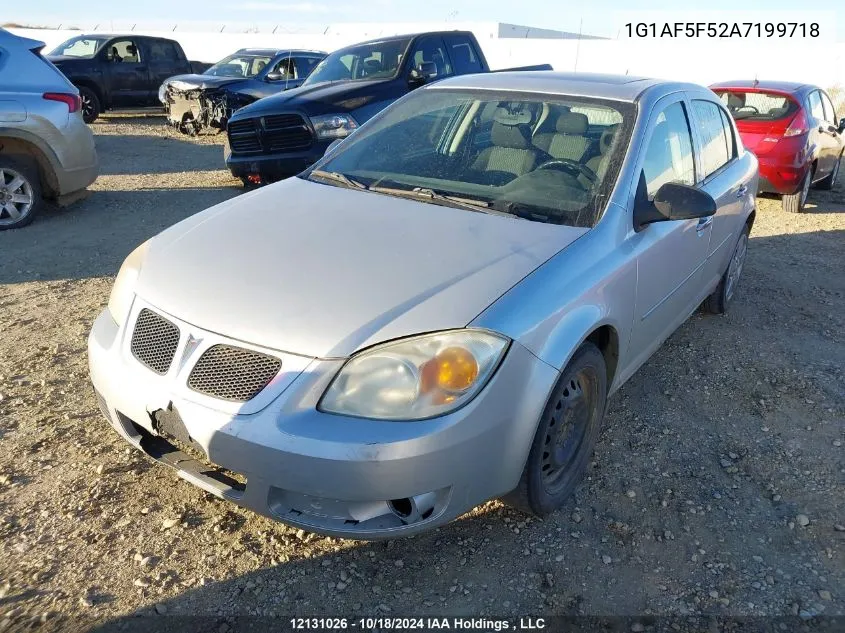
703 223
742 191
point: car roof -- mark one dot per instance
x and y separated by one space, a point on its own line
780 86
618 87
407 36
278 51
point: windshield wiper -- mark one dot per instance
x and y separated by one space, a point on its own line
337 177
424 194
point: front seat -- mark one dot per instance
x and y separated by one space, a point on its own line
599 163
511 154
568 141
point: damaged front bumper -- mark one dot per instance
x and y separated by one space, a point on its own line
192 111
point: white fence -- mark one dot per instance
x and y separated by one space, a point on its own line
700 61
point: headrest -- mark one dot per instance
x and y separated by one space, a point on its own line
513 136
735 100
572 123
606 139
506 117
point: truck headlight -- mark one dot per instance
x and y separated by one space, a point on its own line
332 126
123 291
415 378
162 89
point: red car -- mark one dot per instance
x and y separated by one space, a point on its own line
794 131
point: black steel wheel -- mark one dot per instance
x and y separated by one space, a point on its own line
566 435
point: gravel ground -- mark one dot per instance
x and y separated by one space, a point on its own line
716 488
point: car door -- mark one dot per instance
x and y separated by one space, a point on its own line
724 178
670 255
819 137
831 125
163 60
128 71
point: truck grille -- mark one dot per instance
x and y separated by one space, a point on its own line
243 136
273 133
233 373
154 341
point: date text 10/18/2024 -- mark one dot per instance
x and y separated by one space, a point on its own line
418 624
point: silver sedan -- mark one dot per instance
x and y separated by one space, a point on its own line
434 314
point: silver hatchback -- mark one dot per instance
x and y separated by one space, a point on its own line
436 313
46 150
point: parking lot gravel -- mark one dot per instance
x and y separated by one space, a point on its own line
716 488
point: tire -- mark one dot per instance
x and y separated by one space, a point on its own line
829 182
550 476
19 181
91 106
795 202
720 300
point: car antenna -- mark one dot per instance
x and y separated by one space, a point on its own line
756 81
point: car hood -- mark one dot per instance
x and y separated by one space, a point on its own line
203 82
323 271
319 98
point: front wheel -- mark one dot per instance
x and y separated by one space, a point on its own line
718 302
794 203
829 182
90 104
566 435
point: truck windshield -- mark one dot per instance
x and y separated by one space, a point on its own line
543 158
239 65
374 60
80 46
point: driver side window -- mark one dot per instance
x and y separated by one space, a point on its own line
286 68
432 49
669 154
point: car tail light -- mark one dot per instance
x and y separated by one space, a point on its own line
798 125
73 102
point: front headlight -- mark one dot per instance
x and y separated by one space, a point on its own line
333 125
123 290
415 378
162 89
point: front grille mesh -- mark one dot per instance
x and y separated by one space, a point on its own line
154 341
233 373
243 136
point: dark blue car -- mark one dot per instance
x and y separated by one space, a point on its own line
194 102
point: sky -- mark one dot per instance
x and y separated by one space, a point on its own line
597 17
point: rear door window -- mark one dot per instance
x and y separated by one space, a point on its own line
757 106
816 107
161 50
304 65
714 140
465 59
829 111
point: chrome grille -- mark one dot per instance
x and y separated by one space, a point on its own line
154 341
243 136
233 373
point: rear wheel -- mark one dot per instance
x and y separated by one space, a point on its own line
718 302
90 104
795 202
829 182
20 192
566 435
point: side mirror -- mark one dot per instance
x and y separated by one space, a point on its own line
673 201
274 77
109 56
842 126
424 72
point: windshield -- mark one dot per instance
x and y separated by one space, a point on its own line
757 106
374 60
81 46
542 158
239 65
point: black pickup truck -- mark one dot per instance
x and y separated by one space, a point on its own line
115 71
283 134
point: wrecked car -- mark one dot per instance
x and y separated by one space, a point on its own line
197 102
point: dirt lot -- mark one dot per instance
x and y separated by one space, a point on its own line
717 486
